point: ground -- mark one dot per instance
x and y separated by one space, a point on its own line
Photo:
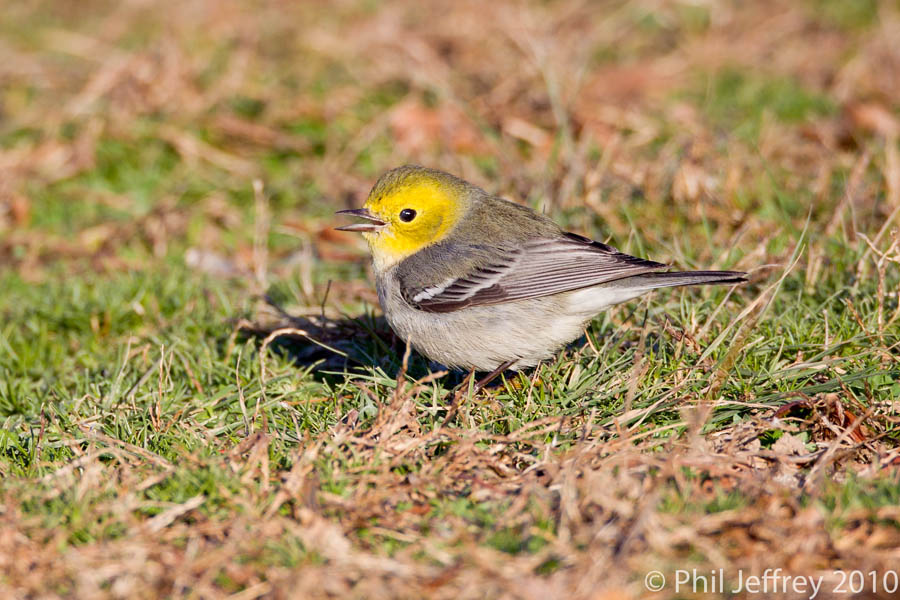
199 398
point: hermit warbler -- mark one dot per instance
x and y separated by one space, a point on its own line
477 282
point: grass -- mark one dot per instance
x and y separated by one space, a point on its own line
161 438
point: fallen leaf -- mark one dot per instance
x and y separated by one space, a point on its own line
416 128
874 117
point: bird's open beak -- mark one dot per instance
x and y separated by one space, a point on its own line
375 224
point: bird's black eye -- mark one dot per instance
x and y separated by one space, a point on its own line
407 215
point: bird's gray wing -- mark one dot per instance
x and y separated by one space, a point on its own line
492 274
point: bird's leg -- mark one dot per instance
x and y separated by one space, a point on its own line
482 383
457 397
459 393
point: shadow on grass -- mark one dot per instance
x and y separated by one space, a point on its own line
330 348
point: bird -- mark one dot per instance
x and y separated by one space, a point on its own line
476 282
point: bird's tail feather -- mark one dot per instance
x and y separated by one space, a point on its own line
651 281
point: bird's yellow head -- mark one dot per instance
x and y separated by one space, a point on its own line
409 208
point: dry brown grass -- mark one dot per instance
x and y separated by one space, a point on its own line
604 493
566 105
